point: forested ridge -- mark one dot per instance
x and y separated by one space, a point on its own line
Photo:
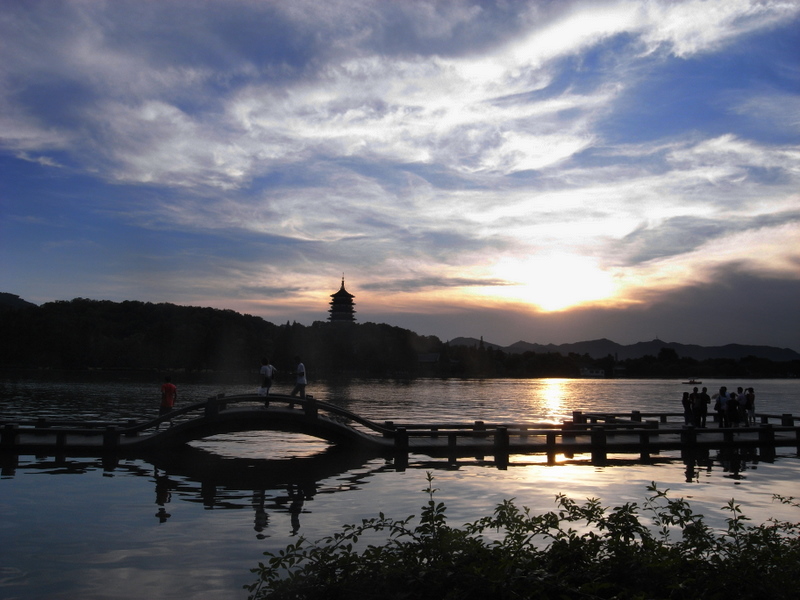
126 338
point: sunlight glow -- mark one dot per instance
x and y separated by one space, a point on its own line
554 282
553 393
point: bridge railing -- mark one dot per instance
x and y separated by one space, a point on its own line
592 430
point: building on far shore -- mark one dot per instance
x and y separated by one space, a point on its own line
342 306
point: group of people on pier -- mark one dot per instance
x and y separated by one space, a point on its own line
733 408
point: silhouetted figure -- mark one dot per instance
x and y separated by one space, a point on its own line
300 380
169 394
700 407
721 406
750 406
732 410
687 409
267 373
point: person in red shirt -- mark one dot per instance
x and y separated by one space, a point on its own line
169 393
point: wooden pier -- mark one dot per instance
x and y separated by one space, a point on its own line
598 435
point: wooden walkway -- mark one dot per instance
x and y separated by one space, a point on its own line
598 435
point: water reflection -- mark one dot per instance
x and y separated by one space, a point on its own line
163 495
554 394
287 486
219 506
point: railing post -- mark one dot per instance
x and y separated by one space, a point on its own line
311 408
388 425
501 445
110 437
766 442
727 438
131 425
567 437
551 447
577 417
599 455
636 416
401 449
644 443
688 442
212 407
401 439
479 426
787 420
452 440
8 438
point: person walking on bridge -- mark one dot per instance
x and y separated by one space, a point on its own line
301 379
267 373
169 394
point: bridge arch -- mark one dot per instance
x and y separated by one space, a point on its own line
304 421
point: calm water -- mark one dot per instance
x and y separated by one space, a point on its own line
191 524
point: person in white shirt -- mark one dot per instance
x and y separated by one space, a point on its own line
301 381
267 373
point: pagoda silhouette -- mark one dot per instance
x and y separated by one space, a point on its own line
342 306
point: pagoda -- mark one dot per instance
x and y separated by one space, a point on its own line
341 310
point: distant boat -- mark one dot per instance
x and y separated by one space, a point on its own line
692 382
593 373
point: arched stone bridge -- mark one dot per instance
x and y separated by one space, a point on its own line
218 415
231 414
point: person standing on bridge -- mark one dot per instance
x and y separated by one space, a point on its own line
702 400
301 379
686 401
169 393
721 406
750 406
267 374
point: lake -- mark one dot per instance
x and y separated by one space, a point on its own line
192 523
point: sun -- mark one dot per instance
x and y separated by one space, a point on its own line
554 282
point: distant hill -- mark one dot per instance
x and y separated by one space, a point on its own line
103 332
12 301
603 347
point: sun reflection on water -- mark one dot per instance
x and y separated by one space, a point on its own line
553 394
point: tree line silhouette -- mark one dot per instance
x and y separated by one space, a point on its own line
106 338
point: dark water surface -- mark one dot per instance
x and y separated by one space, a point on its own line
191 523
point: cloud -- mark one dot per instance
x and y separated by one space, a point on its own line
142 123
697 26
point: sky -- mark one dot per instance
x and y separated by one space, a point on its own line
550 172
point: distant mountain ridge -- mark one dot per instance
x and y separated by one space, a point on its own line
603 347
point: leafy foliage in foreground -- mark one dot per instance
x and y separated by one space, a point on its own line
577 551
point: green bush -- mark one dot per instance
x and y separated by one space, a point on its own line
577 551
